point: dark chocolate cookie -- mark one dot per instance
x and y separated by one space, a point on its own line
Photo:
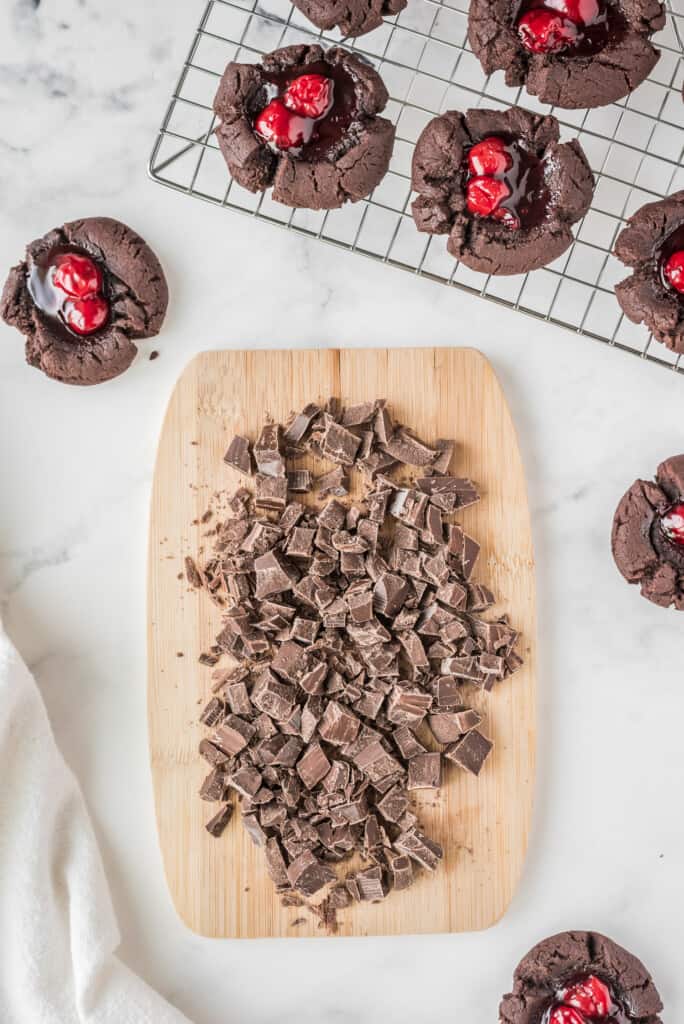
571 53
82 296
648 535
305 121
501 186
580 978
351 17
653 244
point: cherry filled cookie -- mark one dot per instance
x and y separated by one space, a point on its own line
648 535
502 187
82 296
580 978
571 53
351 17
653 245
305 122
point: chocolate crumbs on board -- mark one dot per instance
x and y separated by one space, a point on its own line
351 635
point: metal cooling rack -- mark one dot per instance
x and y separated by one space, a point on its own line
635 148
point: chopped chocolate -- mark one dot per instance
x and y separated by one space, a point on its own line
425 772
238 455
470 752
351 626
309 875
216 825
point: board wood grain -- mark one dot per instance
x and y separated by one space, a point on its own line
220 887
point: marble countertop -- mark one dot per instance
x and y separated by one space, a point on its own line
82 88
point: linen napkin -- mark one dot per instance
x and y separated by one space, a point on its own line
58 933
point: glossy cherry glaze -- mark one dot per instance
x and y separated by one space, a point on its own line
569 28
670 262
307 137
506 182
69 286
587 999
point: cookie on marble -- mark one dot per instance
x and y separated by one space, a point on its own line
648 535
652 244
351 17
305 121
570 53
82 296
580 978
501 186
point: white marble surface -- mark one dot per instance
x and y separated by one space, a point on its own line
82 87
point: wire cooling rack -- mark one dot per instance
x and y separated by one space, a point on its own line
635 148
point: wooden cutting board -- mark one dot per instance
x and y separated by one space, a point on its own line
220 887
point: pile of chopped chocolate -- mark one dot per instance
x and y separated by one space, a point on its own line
354 634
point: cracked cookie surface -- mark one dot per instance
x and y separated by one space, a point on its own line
648 545
440 175
568 80
341 158
351 17
645 296
543 974
136 297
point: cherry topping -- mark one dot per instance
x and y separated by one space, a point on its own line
673 523
489 157
309 96
484 195
84 316
582 12
674 271
77 275
544 31
590 995
279 126
566 1015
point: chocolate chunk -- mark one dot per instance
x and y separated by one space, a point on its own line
419 848
233 735
300 544
333 483
400 869
407 743
267 454
339 444
313 766
408 449
447 727
408 707
425 771
192 573
309 875
275 864
338 726
393 804
470 752
271 576
370 885
247 781
271 492
214 786
213 712
301 423
238 455
299 481
212 754
216 825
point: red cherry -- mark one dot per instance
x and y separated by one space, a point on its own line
543 31
674 271
309 95
277 125
673 524
566 1015
489 157
590 995
84 316
507 217
77 275
484 195
582 12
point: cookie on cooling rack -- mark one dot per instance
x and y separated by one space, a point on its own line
571 53
502 187
82 296
652 244
351 17
305 121
648 535
580 978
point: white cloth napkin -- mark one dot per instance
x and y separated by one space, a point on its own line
57 927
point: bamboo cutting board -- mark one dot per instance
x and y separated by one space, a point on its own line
220 886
